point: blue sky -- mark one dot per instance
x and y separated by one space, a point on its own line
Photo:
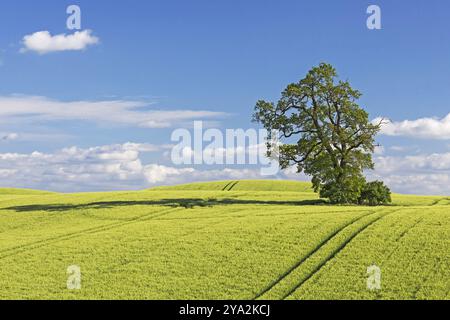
216 58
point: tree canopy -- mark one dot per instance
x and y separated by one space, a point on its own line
324 133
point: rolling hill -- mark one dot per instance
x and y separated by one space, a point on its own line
222 240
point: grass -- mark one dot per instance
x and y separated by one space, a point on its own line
221 240
245 185
13 191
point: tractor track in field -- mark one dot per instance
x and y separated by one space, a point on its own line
438 202
230 185
328 257
309 254
42 243
431 272
401 236
333 254
226 186
233 185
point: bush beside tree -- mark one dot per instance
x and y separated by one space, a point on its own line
375 193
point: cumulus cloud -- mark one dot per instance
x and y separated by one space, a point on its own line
417 163
426 128
119 167
29 109
240 153
110 167
422 184
424 174
160 174
43 42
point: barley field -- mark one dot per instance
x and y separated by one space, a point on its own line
221 240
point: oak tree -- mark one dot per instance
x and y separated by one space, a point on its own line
324 133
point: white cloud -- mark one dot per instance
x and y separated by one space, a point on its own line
110 167
44 136
417 174
404 148
119 167
417 163
426 128
241 153
29 109
160 174
379 150
9 136
419 184
5 173
43 42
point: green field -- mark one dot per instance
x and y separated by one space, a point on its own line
221 240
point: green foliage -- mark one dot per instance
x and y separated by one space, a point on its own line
324 132
346 191
375 193
200 243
